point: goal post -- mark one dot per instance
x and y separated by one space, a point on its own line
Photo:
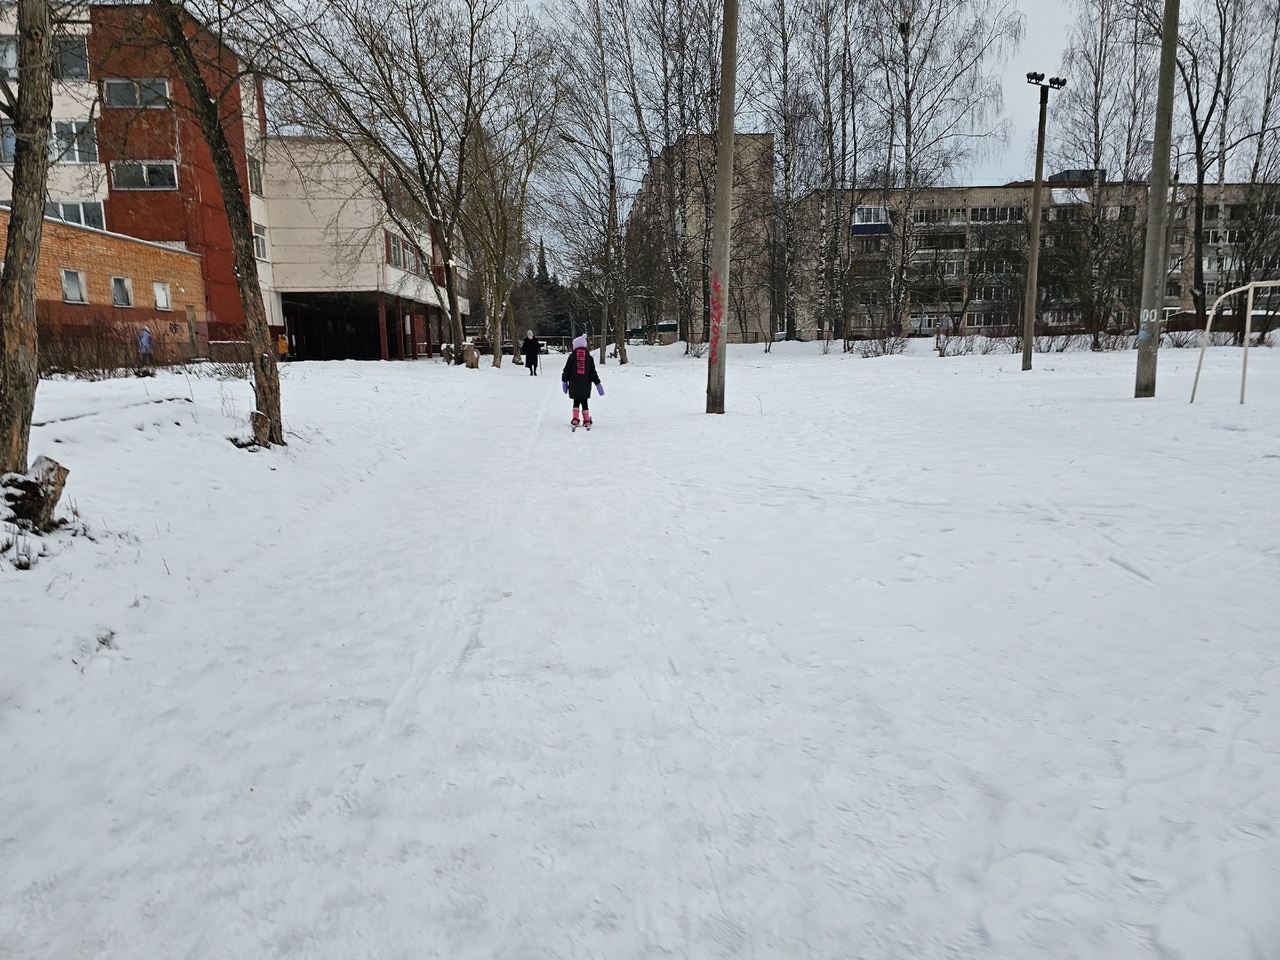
1248 288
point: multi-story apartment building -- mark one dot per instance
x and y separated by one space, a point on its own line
1240 240
77 179
668 238
960 253
349 280
129 158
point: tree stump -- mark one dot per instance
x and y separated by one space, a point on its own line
471 356
32 497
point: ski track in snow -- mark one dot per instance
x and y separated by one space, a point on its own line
909 658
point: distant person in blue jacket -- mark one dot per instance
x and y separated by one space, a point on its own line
144 349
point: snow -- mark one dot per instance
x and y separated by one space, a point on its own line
903 658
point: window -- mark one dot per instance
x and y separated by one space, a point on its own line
135 93
8 143
9 57
1231 236
71 58
255 176
164 298
121 292
260 241
942 241
939 215
85 212
871 215
73 288
73 142
144 175
995 214
403 254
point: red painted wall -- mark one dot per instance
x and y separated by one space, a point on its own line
124 43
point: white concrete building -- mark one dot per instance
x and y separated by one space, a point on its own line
345 281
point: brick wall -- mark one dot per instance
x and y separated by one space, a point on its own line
102 256
124 43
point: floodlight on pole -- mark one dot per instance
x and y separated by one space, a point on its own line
1033 256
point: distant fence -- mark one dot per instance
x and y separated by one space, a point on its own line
103 349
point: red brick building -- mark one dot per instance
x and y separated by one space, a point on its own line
161 184
89 277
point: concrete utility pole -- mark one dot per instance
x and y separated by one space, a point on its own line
723 209
1033 259
1153 264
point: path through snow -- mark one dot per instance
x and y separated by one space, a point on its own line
910 658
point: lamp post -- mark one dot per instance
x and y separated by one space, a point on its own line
611 228
1033 260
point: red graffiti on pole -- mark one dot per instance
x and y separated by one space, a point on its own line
717 315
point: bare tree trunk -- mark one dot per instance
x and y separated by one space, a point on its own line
268 426
19 375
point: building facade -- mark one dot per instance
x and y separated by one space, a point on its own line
667 240
88 278
958 256
349 281
339 278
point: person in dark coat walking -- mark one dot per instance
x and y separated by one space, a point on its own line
579 374
531 348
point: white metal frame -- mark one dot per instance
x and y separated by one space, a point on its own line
1248 332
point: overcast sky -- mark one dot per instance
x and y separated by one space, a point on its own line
1041 51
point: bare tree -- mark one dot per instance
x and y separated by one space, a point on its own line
1255 251
30 110
668 62
588 185
407 87
782 90
1107 103
938 101
201 58
840 90
506 153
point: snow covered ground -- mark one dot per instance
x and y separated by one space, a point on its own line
900 658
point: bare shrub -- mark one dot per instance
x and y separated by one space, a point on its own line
1182 339
993 345
1057 342
955 345
1115 340
221 369
105 348
884 346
